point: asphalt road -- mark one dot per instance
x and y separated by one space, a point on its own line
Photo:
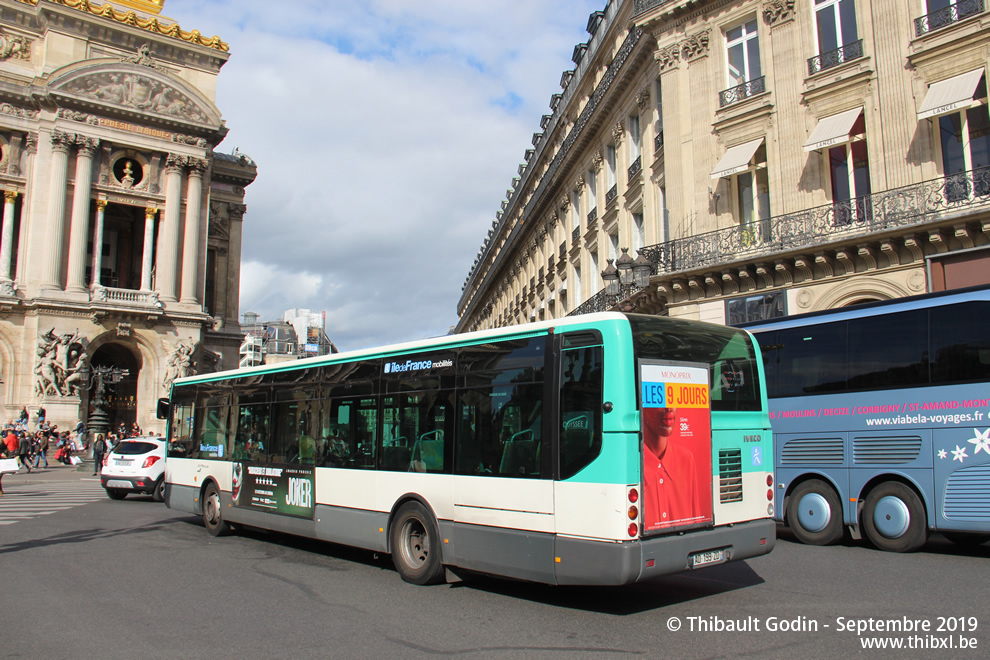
133 579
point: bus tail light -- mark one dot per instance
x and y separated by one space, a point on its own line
633 529
633 495
770 494
633 513
769 481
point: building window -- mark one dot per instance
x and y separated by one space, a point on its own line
755 308
634 138
849 176
742 49
578 297
613 246
751 196
592 192
964 143
942 13
638 232
835 32
575 213
658 138
610 166
593 258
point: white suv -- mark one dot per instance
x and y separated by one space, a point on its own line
136 465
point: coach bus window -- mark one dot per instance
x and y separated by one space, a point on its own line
960 343
415 431
580 408
810 361
500 408
350 437
888 351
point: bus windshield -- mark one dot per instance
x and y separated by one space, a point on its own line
734 373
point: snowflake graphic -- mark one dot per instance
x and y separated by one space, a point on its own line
982 441
942 453
959 454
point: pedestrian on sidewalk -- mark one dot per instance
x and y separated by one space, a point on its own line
42 450
24 452
99 448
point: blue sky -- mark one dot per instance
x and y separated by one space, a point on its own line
386 133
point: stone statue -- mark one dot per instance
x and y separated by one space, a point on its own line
179 362
61 364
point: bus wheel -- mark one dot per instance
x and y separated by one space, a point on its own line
814 513
212 516
894 518
415 541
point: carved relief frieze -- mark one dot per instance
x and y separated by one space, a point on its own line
14 47
696 46
219 223
143 58
777 11
668 56
14 111
131 90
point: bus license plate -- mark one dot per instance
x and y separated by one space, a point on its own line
707 557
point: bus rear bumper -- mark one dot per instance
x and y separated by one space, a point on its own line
586 562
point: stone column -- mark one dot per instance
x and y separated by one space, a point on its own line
168 234
190 243
61 144
149 246
7 240
101 205
78 228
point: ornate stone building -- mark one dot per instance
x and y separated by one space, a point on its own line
121 232
757 157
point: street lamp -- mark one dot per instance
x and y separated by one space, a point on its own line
611 278
642 269
103 378
624 265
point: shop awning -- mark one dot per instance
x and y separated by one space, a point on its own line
832 130
736 159
950 95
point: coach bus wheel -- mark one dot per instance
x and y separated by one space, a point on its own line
212 515
894 518
814 513
415 545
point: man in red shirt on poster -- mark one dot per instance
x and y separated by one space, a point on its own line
674 491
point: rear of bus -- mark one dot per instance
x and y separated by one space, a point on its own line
702 403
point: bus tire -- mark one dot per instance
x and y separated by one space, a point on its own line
213 512
415 543
894 518
814 513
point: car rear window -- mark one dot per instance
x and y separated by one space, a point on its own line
134 448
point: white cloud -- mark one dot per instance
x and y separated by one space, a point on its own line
386 133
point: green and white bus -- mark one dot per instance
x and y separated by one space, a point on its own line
600 449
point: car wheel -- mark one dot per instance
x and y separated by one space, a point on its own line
212 512
115 494
159 493
415 545
814 513
894 518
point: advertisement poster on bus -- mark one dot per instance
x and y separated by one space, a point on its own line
287 490
677 445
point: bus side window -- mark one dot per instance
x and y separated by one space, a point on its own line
580 408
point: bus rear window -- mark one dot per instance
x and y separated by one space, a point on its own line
734 373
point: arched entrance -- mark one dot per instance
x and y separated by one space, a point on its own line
121 397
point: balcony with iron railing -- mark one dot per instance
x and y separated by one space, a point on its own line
947 16
612 193
833 58
636 167
743 91
926 203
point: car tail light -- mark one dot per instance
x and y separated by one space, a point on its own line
151 460
633 529
106 460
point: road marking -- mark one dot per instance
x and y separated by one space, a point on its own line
34 500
